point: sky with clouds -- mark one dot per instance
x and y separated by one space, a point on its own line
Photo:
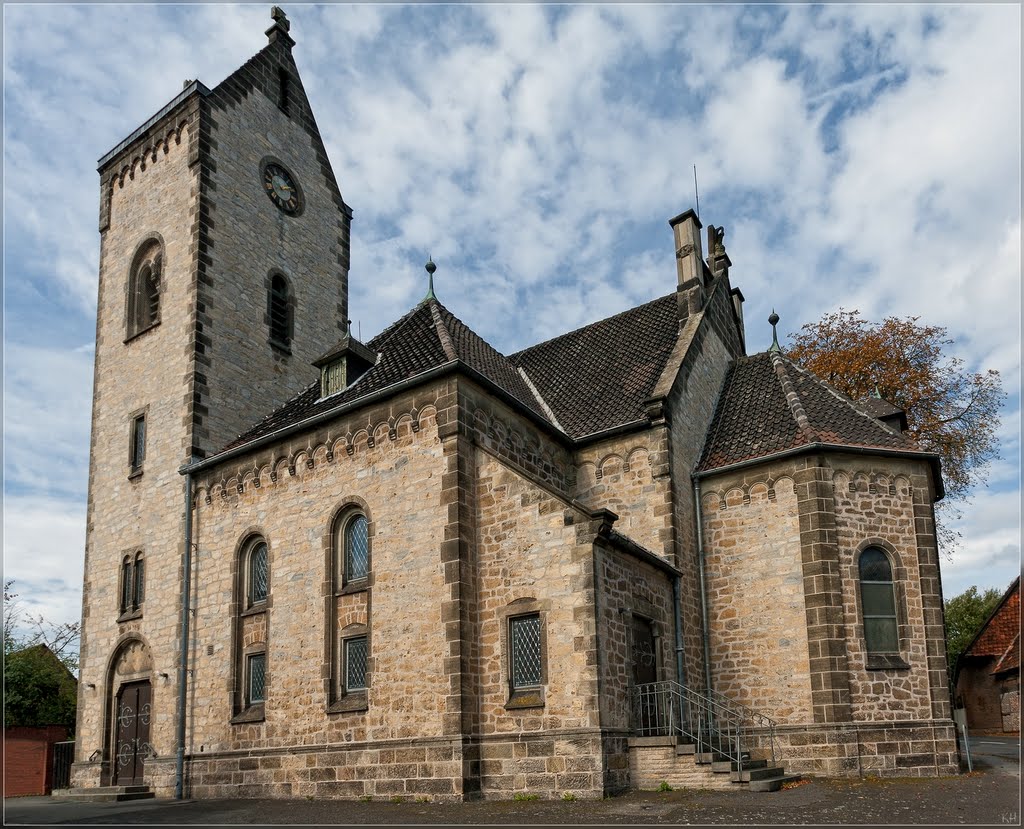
859 156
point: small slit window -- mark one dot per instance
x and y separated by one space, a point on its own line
526 667
137 452
279 312
878 602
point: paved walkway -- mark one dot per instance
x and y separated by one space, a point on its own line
989 796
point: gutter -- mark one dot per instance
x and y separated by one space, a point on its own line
386 392
934 459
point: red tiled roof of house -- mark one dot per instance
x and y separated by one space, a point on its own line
1000 635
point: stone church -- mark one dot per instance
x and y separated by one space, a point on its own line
418 567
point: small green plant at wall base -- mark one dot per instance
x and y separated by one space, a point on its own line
422 799
524 796
568 796
664 787
366 798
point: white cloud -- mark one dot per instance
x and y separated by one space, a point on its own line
856 155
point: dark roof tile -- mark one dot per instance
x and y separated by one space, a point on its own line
598 377
769 405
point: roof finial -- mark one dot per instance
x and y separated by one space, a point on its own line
430 267
775 347
280 27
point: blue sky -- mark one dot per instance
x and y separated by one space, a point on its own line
859 156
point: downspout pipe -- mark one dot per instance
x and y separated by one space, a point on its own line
186 600
703 587
677 601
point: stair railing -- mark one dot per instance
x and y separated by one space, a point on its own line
713 724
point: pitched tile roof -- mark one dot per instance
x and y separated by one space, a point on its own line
427 337
591 379
599 376
769 405
999 636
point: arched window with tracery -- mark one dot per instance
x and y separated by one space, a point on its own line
144 281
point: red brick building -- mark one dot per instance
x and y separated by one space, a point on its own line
988 672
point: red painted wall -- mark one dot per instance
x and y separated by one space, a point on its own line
28 759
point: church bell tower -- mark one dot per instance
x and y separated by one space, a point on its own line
224 258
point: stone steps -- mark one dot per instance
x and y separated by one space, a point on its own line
104 794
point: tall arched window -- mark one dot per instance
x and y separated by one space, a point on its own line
356 544
878 602
279 312
144 289
251 631
132 583
257 573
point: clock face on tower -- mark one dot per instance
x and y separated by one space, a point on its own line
281 188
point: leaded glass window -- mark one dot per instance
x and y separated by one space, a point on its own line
257 676
524 637
878 602
355 652
258 573
357 549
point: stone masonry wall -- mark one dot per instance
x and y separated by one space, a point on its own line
143 375
629 475
874 505
290 494
691 406
759 654
653 762
533 554
628 587
848 719
248 237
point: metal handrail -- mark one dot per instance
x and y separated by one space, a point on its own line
714 724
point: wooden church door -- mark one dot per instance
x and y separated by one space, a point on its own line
134 703
645 672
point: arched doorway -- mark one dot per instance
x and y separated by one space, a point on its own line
131 746
129 713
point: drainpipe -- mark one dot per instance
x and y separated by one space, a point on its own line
179 768
677 601
703 587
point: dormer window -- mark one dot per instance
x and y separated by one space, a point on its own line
343 365
332 378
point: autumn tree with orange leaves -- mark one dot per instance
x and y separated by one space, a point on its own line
950 411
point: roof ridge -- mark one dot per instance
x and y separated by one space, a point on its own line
548 411
842 398
635 308
796 405
443 334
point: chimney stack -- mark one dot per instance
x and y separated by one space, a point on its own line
689 265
